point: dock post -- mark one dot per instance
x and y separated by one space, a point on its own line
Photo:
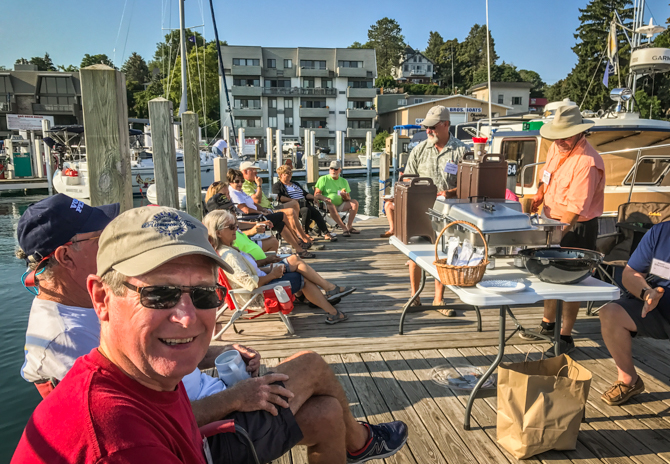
384 180
312 143
165 158
305 151
226 137
268 152
395 155
279 144
312 166
368 152
240 142
339 147
105 109
39 159
177 139
45 128
220 169
192 180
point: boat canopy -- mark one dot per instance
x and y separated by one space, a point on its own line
79 129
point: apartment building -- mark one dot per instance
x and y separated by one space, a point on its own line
25 90
324 89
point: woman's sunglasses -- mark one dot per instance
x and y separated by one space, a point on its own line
237 181
167 296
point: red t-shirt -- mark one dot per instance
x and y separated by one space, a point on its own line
97 414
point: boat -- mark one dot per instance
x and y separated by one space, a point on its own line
375 159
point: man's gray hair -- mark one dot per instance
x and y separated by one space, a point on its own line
48 266
215 221
114 280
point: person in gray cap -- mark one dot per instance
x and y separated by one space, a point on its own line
436 157
335 192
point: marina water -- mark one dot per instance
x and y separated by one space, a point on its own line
19 398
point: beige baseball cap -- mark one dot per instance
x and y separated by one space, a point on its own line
142 239
435 115
248 165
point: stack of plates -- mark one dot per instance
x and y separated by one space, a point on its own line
502 286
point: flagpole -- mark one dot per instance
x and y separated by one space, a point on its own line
488 66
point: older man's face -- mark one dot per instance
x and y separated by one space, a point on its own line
158 347
569 143
439 132
249 174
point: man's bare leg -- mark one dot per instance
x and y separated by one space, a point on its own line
314 295
616 326
414 278
389 208
570 311
336 216
309 375
298 265
321 421
353 206
270 244
287 235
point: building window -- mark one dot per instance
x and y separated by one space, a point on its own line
277 82
359 124
246 62
247 103
406 67
288 103
288 122
272 121
53 90
313 103
326 83
272 103
308 83
272 63
428 68
363 84
359 105
247 82
350 64
288 64
313 124
418 100
312 64
402 101
414 59
249 122
501 99
516 101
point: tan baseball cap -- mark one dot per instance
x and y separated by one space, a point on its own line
435 115
248 165
142 239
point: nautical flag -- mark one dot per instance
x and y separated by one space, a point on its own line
191 39
613 48
609 69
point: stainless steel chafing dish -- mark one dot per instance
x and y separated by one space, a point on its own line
502 222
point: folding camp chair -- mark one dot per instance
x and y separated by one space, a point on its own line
633 221
226 426
240 310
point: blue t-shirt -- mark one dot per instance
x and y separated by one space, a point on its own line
654 244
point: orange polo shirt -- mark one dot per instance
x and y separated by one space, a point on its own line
577 182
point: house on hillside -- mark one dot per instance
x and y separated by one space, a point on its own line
414 68
514 94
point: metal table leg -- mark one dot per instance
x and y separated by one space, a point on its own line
411 300
479 318
557 327
494 366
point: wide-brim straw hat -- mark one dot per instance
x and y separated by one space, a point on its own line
567 122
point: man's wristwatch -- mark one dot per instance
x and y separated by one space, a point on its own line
644 290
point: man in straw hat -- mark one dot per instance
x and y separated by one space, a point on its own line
572 191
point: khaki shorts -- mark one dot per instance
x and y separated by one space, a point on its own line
340 208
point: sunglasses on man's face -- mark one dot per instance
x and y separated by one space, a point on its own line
433 127
167 296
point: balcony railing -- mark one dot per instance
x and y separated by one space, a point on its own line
298 91
39 108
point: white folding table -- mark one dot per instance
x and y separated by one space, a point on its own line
591 289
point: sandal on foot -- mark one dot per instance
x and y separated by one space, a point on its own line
335 318
330 237
354 231
306 255
386 234
447 312
346 234
339 292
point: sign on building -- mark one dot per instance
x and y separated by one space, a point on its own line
27 121
455 110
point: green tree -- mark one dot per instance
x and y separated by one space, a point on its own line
385 36
167 51
136 69
446 59
90 60
385 82
379 142
499 73
43 63
649 107
356 45
68 68
435 42
590 49
539 86
471 54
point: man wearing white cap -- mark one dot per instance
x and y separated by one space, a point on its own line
437 157
572 191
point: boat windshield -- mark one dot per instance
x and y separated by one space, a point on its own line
650 172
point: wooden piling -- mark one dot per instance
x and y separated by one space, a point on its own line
220 170
279 144
384 180
312 166
268 154
105 111
47 151
368 152
339 146
192 181
165 158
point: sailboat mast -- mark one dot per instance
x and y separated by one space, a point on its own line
182 40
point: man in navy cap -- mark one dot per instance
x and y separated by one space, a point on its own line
58 239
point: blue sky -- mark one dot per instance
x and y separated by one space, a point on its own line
532 34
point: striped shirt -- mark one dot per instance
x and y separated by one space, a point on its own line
294 192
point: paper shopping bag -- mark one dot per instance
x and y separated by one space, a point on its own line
541 405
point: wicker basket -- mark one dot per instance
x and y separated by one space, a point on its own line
461 276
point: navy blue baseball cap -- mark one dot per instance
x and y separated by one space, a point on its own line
53 222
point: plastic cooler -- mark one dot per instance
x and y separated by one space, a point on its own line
413 197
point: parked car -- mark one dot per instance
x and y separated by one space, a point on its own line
291 147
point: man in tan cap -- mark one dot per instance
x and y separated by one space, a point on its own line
572 191
436 157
